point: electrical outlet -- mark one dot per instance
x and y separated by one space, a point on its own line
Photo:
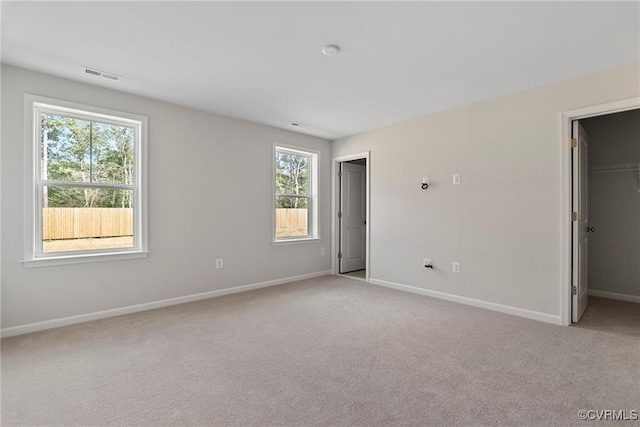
456 178
455 267
219 263
322 251
426 262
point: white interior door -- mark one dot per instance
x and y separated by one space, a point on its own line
353 217
580 245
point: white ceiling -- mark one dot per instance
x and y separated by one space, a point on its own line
263 61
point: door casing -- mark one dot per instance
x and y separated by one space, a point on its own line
335 206
566 119
353 221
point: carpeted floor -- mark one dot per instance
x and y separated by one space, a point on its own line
608 315
327 351
358 274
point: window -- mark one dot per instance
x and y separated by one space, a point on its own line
86 187
296 194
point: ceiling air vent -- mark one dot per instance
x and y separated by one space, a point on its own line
103 74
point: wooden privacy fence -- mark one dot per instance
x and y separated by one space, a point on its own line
79 223
82 223
291 218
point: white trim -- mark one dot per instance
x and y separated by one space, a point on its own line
335 167
565 169
83 259
313 222
1 258
520 312
32 249
613 295
294 241
79 111
71 320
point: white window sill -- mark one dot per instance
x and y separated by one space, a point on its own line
296 241
82 259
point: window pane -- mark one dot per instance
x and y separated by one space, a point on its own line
286 202
292 174
74 150
65 148
79 219
292 217
113 156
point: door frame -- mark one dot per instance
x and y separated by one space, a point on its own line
566 119
335 206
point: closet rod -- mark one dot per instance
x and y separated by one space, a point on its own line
626 167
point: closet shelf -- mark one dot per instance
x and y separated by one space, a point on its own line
624 167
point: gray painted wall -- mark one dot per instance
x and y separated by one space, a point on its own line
210 196
614 204
503 223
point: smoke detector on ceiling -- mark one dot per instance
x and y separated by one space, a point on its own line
331 49
102 74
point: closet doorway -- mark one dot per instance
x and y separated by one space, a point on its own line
351 216
606 229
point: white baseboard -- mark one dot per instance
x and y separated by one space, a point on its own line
56 323
613 295
529 314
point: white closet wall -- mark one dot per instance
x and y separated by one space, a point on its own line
614 203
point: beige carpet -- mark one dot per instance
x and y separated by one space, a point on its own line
359 274
328 351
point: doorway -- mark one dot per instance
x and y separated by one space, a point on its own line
604 232
351 216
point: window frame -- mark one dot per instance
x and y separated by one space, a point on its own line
313 221
34 256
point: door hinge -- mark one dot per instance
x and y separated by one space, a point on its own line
574 216
574 290
574 142
339 174
340 215
340 255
